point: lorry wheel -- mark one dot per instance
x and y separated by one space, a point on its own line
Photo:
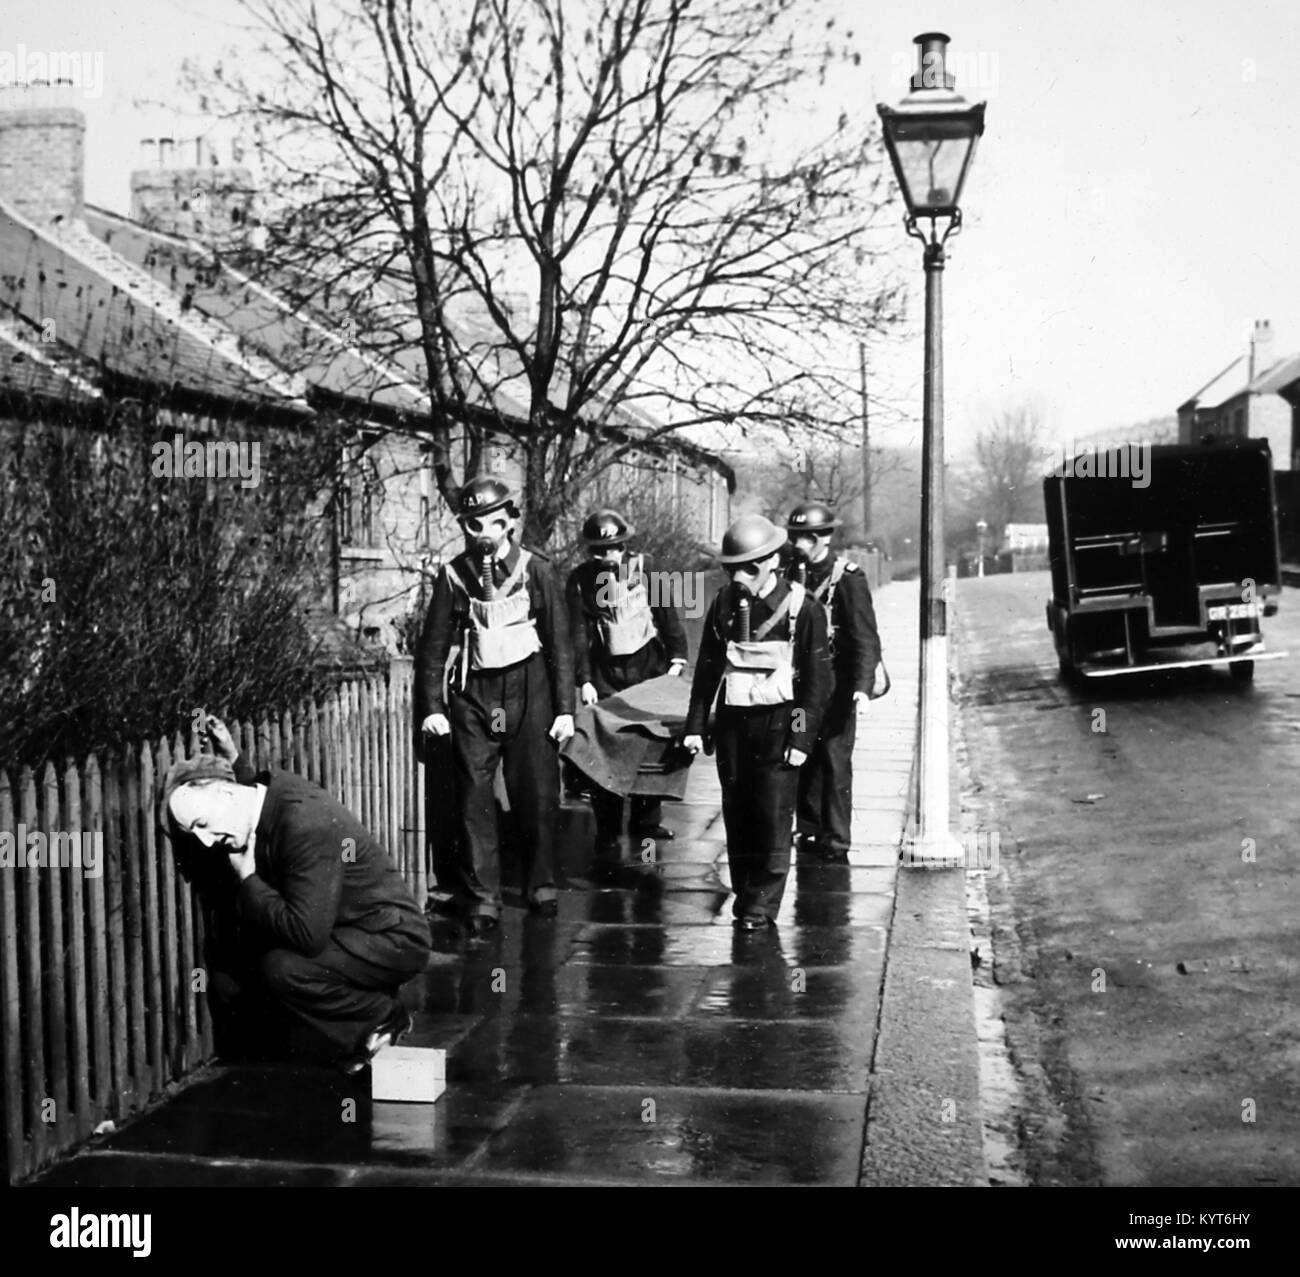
1069 674
1242 671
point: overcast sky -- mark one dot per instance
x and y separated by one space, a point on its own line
1132 208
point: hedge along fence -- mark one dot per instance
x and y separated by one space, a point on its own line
101 964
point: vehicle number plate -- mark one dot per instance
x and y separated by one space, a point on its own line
1234 611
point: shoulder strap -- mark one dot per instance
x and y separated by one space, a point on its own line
508 585
825 592
787 604
454 576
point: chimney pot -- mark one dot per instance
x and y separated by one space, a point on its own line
1261 349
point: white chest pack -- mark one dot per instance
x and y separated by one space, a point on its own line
626 622
761 671
501 631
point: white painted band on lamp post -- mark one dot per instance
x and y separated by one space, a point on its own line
931 138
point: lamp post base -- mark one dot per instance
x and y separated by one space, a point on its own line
930 842
941 852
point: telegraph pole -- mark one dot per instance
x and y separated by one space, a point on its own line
866 446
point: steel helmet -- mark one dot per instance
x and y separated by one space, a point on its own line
484 495
751 537
604 528
812 516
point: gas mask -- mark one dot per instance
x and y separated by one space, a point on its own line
752 578
484 546
806 549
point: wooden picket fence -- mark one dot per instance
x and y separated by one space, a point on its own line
100 977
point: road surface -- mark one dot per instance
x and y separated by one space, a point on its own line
1145 903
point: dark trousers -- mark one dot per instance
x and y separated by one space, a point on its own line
503 716
758 801
610 676
338 994
825 805
608 810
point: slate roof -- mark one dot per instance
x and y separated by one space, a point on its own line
264 321
1220 388
117 315
160 310
41 369
1232 382
1277 379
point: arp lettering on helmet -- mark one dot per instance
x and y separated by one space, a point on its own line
484 495
606 528
812 516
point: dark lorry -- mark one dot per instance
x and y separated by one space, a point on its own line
1162 556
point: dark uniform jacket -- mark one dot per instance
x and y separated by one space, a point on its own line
812 667
592 662
449 614
322 876
855 641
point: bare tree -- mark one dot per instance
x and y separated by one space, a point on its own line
1004 483
578 214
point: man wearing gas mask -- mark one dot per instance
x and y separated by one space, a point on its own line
824 809
621 636
498 632
767 649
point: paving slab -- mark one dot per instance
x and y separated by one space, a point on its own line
638 1038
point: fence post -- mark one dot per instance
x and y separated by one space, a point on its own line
79 956
17 1162
97 929
152 920
33 1000
170 952
116 991
133 927
56 1012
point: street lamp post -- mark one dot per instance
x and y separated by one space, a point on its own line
931 138
981 528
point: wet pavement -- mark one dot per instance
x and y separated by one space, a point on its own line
637 1038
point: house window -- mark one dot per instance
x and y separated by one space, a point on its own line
360 496
345 511
1239 424
371 497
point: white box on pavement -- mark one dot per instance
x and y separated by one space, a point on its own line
408 1074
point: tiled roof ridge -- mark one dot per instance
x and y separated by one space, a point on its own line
211 255
75 238
1223 372
1276 375
395 381
143 285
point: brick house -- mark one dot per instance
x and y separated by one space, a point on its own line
97 308
1247 400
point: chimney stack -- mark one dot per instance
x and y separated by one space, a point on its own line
1261 349
42 151
186 192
